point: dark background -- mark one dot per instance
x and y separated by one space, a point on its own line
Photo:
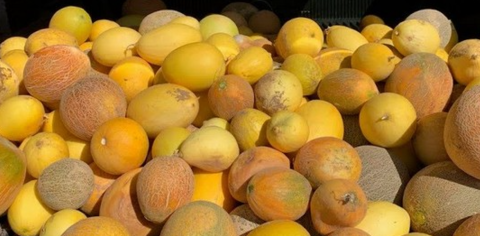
26 16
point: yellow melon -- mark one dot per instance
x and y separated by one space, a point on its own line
155 45
115 44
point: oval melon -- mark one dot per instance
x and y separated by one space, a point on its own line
97 226
155 45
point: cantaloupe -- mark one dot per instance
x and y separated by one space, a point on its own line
438 19
92 100
459 134
438 198
66 183
52 69
245 219
157 19
120 202
163 105
160 192
383 176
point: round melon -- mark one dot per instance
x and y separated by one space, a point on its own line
195 66
199 218
383 176
157 19
439 198
164 185
438 19
460 132
120 202
66 183
92 100
424 79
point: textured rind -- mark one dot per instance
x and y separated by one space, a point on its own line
66 183
89 102
164 185
383 177
461 136
440 197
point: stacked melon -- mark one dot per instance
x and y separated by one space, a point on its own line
159 123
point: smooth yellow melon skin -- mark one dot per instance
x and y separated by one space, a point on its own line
20 117
60 221
385 218
195 66
155 45
28 214
114 45
12 43
279 228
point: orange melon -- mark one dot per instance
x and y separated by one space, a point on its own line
102 181
248 163
159 192
278 193
120 202
424 79
230 94
51 70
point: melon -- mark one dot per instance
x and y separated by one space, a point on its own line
157 19
49 71
92 100
459 134
13 169
155 45
164 185
66 183
383 176
120 202
199 218
97 226
428 192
